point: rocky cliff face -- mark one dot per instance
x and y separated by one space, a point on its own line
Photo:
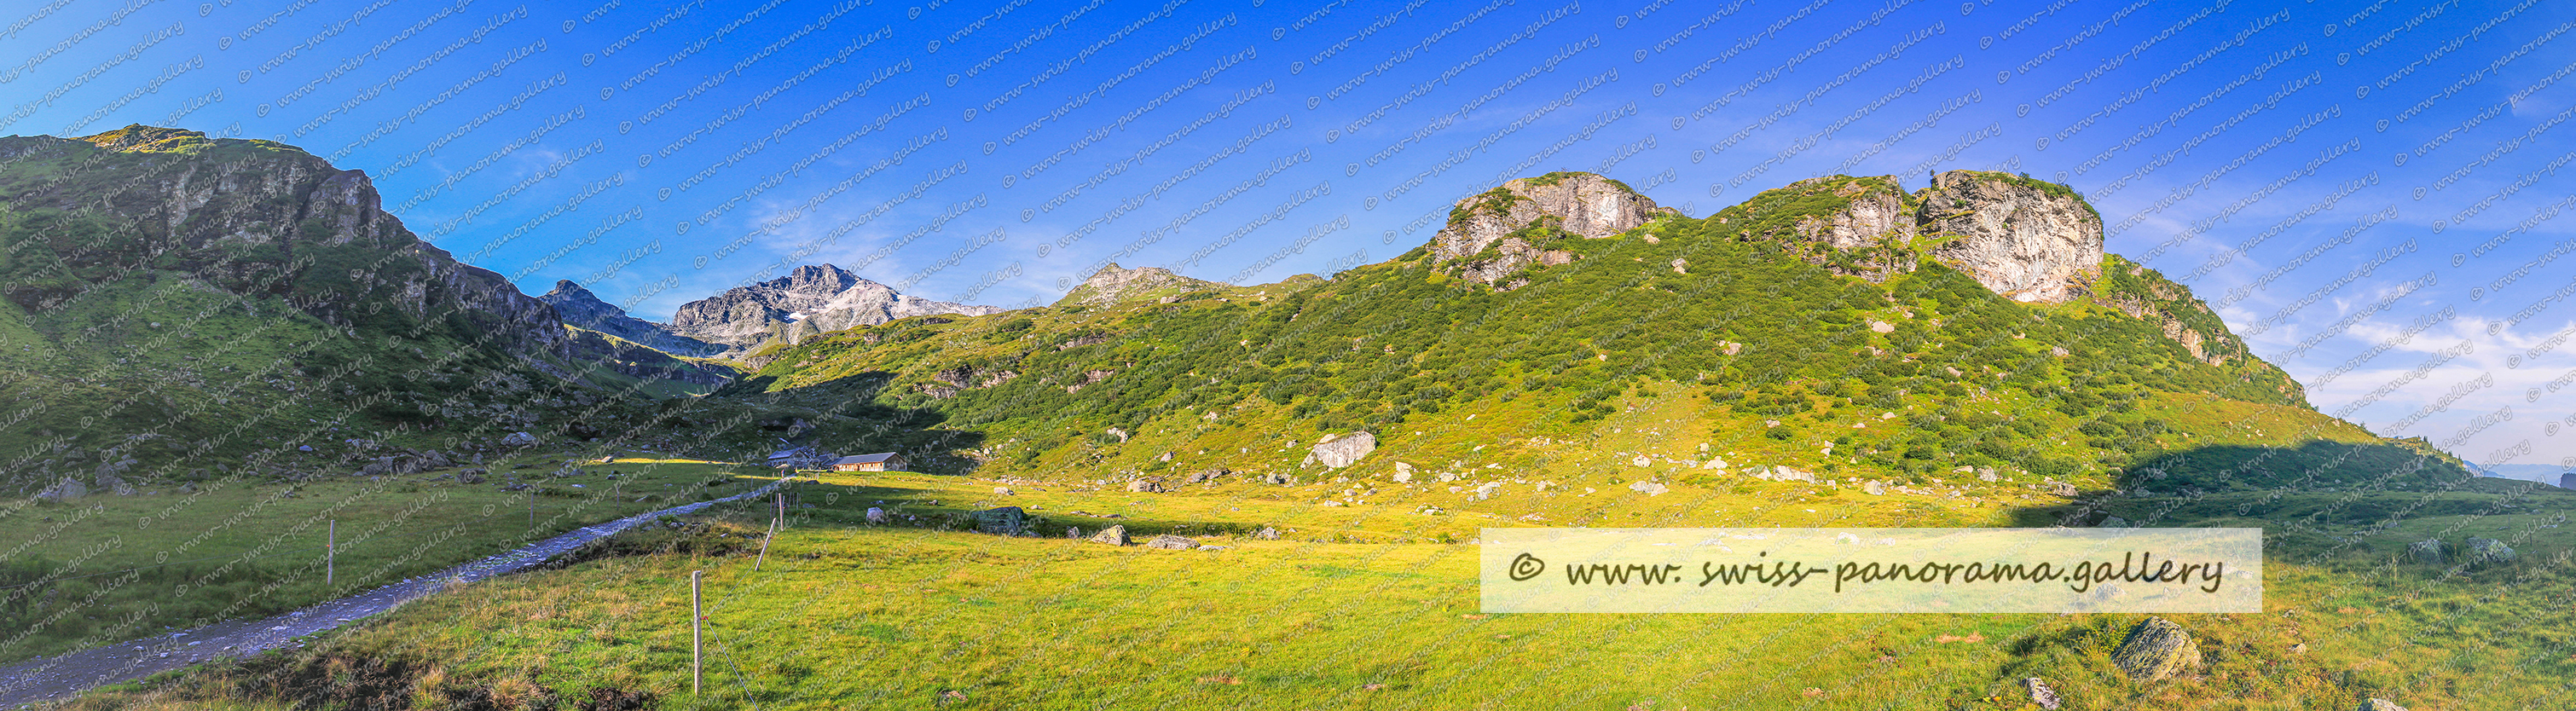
249 217
1111 285
581 308
810 300
2029 240
1497 233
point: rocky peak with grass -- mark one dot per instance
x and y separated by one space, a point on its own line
2029 240
812 299
583 309
248 217
1112 285
1498 232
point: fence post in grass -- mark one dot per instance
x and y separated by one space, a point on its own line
697 639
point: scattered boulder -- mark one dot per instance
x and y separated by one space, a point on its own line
876 515
1782 473
1873 488
2427 551
1208 475
2156 649
1337 451
471 475
2487 551
1113 535
1171 542
66 490
2378 704
2115 522
1004 521
2059 488
1644 487
1403 473
1003 491
1266 534
2040 693
1145 486
519 439
1277 478
1987 475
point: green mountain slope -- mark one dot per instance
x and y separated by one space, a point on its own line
1831 327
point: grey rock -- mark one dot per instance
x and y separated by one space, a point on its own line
2487 551
1873 488
1782 473
1644 487
1145 486
1171 542
2115 522
519 439
2156 649
2428 551
471 475
2059 488
1115 535
1582 204
2377 704
1004 521
1337 451
1208 475
1266 534
2011 236
68 489
1277 478
2040 693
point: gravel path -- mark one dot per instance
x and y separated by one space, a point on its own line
49 679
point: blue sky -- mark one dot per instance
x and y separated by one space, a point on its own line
2368 193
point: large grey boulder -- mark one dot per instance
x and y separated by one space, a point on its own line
2427 551
2487 551
1171 542
66 490
2025 239
1337 451
519 439
2377 704
1115 535
2156 649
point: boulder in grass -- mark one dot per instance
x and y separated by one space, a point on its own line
2427 551
1171 543
2487 551
1113 535
2155 650
2040 693
1337 451
2380 705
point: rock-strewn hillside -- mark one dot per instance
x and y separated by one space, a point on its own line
809 300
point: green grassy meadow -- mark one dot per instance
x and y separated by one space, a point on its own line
126 567
1362 606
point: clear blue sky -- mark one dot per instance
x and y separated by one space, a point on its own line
2366 192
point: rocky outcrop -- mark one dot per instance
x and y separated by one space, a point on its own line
1113 285
810 300
2029 240
255 218
1497 233
1856 226
578 307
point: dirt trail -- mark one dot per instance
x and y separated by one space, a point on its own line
49 679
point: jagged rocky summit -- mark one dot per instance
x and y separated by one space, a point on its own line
1112 285
809 300
581 308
